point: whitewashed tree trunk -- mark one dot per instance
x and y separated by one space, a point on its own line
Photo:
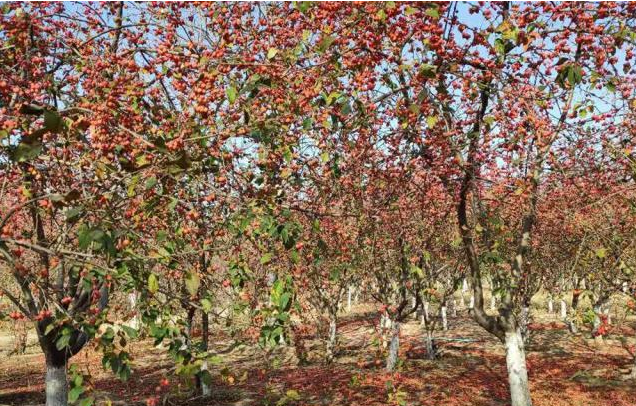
356 295
462 302
414 304
472 302
454 308
597 323
608 315
550 306
385 324
464 286
517 371
206 390
525 320
564 310
132 300
426 310
493 303
331 341
349 299
56 385
431 353
444 318
394 347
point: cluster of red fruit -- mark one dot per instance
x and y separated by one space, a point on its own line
17 316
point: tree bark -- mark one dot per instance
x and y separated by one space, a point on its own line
444 318
394 347
525 320
564 310
517 372
331 340
431 352
205 341
56 384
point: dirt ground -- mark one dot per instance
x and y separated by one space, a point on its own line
564 370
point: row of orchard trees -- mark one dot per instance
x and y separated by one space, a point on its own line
250 160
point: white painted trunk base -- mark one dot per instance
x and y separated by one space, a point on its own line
444 318
517 371
564 310
331 341
394 347
206 390
56 386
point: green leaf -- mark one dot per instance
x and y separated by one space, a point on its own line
150 183
62 341
284 301
432 11
408 11
153 283
130 332
52 120
86 402
206 304
601 253
192 283
49 328
231 94
266 258
428 70
271 53
325 43
303 6
292 395
26 151
75 393
431 121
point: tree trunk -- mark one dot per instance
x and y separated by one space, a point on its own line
426 310
550 306
462 302
564 310
525 320
349 298
205 343
598 335
132 300
331 340
444 318
394 347
454 308
517 372
431 352
56 384
493 303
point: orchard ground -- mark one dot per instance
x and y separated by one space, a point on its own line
564 369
